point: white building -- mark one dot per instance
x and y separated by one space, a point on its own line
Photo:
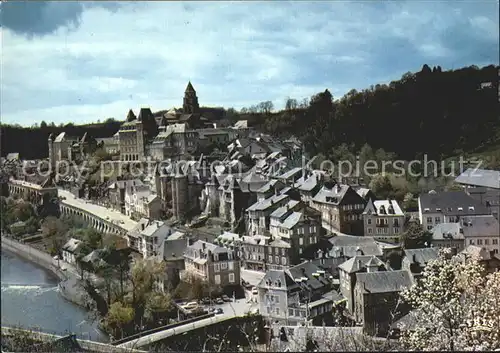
141 201
383 220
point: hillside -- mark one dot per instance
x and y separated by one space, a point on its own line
439 113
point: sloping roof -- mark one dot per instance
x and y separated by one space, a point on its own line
279 243
265 204
189 87
385 281
198 245
451 203
350 244
172 249
480 177
63 137
12 156
276 278
306 270
450 231
475 226
357 263
72 245
241 124
130 116
384 207
290 173
333 195
421 256
476 251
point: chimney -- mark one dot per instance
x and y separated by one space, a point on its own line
204 246
359 263
142 226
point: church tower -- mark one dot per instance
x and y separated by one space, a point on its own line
190 105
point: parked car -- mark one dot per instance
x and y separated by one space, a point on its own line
226 298
190 306
219 301
255 291
205 301
219 311
211 309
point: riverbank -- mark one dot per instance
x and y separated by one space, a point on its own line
69 287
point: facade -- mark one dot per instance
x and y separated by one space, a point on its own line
447 207
347 275
296 224
259 214
383 220
295 296
377 296
59 147
213 264
116 192
135 134
110 144
448 235
341 208
482 231
141 202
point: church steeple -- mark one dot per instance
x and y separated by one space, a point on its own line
190 105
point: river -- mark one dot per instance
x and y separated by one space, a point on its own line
30 299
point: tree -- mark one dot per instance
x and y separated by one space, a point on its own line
54 230
381 186
409 202
416 237
457 307
158 305
265 107
23 211
119 316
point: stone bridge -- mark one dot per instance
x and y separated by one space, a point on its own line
102 219
31 192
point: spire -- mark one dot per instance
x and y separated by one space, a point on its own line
190 87
130 115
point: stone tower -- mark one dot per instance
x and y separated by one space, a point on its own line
180 196
190 105
52 159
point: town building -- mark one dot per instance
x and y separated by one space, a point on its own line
484 186
213 264
341 208
141 202
347 275
70 250
377 299
135 134
60 147
482 231
383 220
147 237
259 214
296 224
295 296
447 207
117 190
448 235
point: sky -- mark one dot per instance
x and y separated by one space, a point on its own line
86 61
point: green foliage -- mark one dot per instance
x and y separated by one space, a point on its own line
416 237
118 317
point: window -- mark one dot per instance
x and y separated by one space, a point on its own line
269 310
396 230
283 260
277 311
495 241
301 241
437 219
283 251
429 219
217 279
480 242
231 266
276 299
270 258
231 278
277 259
471 241
370 230
429 227
223 266
290 312
369 221
300 250
486 242
216 268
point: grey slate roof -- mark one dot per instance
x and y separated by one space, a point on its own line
172 249
198 245
450 203
357 263
306 269
274 277
481 226
480 177
333 195
421 256
350 243
72 245
444 231
265 204
384 282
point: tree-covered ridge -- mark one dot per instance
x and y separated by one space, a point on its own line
432 111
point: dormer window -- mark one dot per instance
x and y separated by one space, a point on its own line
438 209
471 208
427 209
460 208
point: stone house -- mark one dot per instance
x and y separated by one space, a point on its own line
296 295
213 264
341 208
347 275
258 221
483 231
383 220
448 235
298 225
117 192
377 299
141 202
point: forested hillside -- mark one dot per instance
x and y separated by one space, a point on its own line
440 113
